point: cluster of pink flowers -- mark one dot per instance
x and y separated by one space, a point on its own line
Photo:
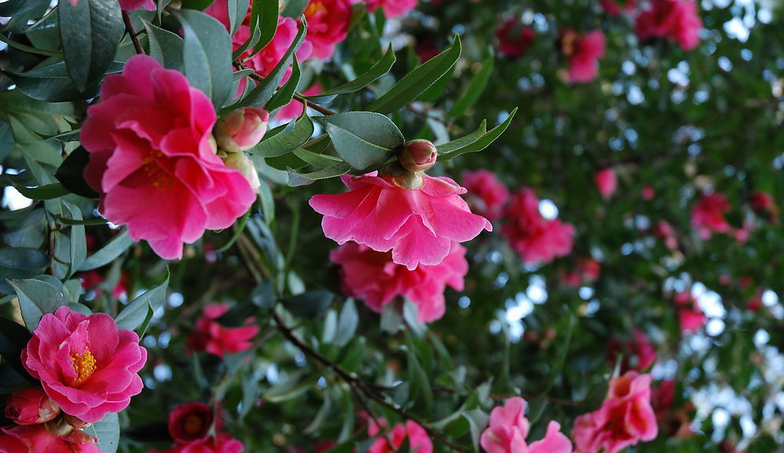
588 270
638 352
534 238
509 427
514 39
486 195
707 216
675 20
216 339
87 367
418 440
392 8
583 52
150 138
624 419
690 315
190 425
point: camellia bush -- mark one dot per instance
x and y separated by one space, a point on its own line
391 226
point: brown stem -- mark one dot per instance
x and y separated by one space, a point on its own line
132 33
313 105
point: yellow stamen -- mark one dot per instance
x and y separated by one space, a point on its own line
313 8
84 365
193 424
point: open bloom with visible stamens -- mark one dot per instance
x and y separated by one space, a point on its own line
86 364
419 225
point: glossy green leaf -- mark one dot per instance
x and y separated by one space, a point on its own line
381 67
166 47
17 7
363 139
109 252
13 339
37 298
474 142
20 262
71 173
285 94
474 88
52 83
107 431
135 313
296 134
309 304
207 55
90 31
347 323
418 80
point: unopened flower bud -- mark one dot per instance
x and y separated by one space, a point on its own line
418 155
409 180
76 422
31 406
241 129
243 163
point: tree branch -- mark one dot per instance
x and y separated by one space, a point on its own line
132 33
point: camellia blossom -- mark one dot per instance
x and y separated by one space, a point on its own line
418 440
419 226
514 39
242 129
37 439
150 139
86 364
392 8
221 443
486 195
30 406
690 316
606 182
534 238
190 422
133 5
707 216
676 20
625 418
328 22
212 337
638 352
583 52
375 278
509 427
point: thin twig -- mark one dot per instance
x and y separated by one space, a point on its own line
313 105
132 33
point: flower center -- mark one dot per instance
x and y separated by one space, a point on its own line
193 424
158 178
314 8
84 365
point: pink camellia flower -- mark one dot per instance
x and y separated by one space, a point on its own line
37 439
294 108
707 216
242 129
606 182
625 418
486 195
328 22
30 406
664 230
638 352
191 422
133 5
613 7
392 8
150 139
676 20
690 316
85 363
583 52
536 239
221 443
648 193
374 277
418 440
514 39
212 337
420 226
509 427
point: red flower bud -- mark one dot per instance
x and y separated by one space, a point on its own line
418 155
31 406
241 129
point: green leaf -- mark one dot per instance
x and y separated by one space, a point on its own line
71 173
46 192
52 83
309 304
78 239
29 232
263 294
286 93
316 159
207 56
17 7
474 88
20 262
347 323
381 67
237 315
166 47
238 9
325 173
13 339
477 421
37 298
90 31
135 313
474 142
108 253
264 91
418 80
264 16
363 139
555 370
107 431
296 134
294 8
